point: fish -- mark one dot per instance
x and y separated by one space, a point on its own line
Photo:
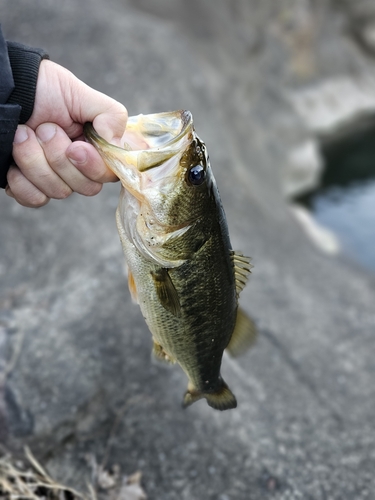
182 270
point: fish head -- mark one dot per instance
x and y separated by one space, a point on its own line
165 168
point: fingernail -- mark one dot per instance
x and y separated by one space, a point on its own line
46 131
78 156
21 134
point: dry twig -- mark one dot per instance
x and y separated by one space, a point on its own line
18 482
31 482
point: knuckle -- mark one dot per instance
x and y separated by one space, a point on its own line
12 175
38 200
27 158
57 160
124 112
92 189
26 194
61 193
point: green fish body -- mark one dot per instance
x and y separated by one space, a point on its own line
181 268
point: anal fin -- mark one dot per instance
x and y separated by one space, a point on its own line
244 334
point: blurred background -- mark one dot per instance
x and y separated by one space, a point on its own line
283 94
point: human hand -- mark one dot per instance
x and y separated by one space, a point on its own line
52 159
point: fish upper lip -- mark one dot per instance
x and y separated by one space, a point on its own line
187 126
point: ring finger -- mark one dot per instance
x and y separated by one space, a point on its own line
29 156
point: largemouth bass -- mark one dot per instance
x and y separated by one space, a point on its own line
182 270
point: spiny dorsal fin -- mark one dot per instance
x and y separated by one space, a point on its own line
242 270
166 292
243 336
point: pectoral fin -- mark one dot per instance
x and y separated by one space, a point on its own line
132 287
166 292
243 336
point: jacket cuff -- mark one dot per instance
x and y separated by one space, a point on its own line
25 63
9 115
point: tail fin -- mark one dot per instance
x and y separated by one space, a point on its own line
222 399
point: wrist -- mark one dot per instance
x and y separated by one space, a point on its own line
25 62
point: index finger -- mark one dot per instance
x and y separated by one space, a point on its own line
88 161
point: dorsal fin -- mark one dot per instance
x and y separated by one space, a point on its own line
242 270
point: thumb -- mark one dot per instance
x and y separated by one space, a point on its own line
110 123
108 116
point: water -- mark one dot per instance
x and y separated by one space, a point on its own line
345 202
350 213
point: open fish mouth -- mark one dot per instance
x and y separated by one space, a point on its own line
149 140
149 165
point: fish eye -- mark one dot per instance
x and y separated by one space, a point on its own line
197 175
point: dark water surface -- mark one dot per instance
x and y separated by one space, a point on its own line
345 202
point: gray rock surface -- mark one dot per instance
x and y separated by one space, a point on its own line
76 382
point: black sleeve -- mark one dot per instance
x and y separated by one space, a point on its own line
19 66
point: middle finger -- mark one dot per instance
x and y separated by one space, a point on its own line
55 143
